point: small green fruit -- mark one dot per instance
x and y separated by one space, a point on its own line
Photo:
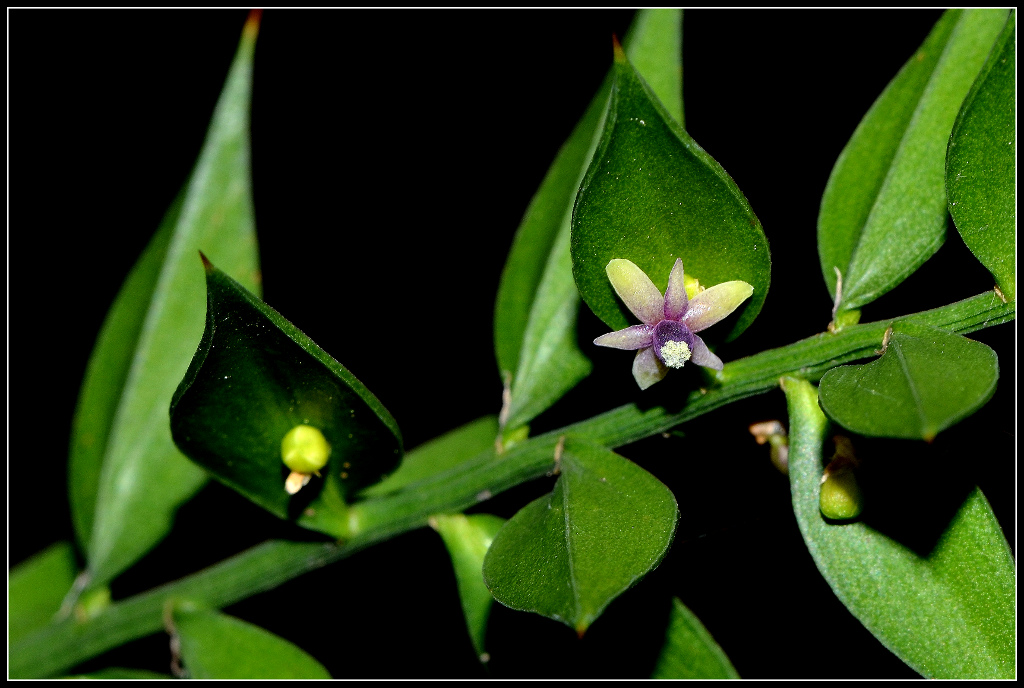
840 497
304 449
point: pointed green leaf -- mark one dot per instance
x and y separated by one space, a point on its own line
467 539
652 195
927 380
883 213
981 163
690 651
535 313
569 554
215 645
255 377
36 588
439 455
949 613
107 373
125 470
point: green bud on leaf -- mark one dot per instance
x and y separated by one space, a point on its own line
840 497
304 449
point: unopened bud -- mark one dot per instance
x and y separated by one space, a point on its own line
305 451
840 497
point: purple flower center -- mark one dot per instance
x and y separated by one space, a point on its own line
673 343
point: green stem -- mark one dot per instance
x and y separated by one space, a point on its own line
61 646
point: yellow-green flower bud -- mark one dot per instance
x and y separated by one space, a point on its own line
840 497
305 449
692 286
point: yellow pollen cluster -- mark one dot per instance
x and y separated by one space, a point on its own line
675 354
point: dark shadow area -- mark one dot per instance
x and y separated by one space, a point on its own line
912 492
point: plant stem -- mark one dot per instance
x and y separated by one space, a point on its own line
63 645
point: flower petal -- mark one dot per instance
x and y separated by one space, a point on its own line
675 293
715 303
636 290
631 338
702 356
647 369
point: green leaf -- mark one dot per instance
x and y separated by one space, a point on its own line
948 614
439 455
107 373
655 46
535 313
127 478
690 651
467 539
652 195
567 555
255 377
927 380
215 645
981 170
883 213
36 589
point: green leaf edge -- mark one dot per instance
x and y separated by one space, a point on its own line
1006 38
682 621
186 611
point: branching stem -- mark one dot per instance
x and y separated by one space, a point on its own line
63 645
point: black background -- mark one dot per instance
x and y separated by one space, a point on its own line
393 156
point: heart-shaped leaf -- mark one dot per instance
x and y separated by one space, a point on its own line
567 555
652 195
948 613
126 476
255 377
689 650
981 163
883 213
468 539
36 587
218 646
535 314
927 380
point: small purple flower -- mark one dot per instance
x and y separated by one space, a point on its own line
667 336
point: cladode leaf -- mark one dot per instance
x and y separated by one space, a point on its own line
218 646
126 477
689 650
255 377
567 555
883 213
927 380
948 612
652 195
467 539
981 178
36 587
537 304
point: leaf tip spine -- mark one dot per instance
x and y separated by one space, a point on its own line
252 24
617 51
207 265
